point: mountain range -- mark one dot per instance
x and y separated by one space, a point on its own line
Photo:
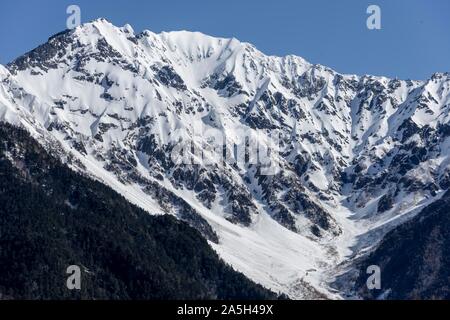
363 164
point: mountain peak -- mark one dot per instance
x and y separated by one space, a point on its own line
98 21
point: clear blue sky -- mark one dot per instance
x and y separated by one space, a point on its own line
413 43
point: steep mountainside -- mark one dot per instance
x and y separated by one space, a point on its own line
51 218
350 157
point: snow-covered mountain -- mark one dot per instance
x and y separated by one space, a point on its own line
356 155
